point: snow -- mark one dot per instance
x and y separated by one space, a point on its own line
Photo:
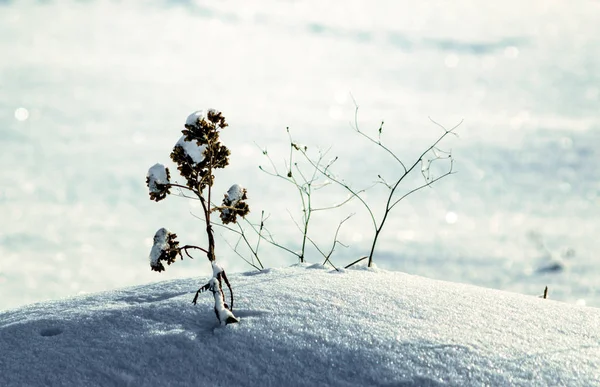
160 245
303 326
192 119
224 315
192 149
235 194
157 174
216 269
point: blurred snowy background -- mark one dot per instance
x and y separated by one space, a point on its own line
93 93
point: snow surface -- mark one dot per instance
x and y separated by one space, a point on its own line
157 175
303 326
192 149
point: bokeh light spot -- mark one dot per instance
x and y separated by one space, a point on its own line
341 97
335 113
451 217
21 114
451 61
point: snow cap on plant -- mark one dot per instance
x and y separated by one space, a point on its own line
199 149
158 180
234 204
217 269
165 248
224 315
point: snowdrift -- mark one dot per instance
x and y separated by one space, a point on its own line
303 325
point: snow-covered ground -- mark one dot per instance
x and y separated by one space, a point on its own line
303 326
93 93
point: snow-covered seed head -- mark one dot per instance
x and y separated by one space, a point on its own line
201 118
158 182
199 149
165 248
234 204
235 194
191 149
160 237
196 118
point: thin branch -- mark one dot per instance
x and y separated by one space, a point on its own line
341 183
357 261
240 233
262 225
186 247
241 256
184 187
378 143
429 183
335 241
268 239
271 240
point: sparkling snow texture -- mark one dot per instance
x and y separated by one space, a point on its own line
157 175
303 326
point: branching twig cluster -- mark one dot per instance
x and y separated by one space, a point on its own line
307 183
432 154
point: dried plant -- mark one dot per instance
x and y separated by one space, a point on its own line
432 154
197 154
306 183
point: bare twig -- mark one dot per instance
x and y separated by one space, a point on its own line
357 261
378 142
242 236
391 202
305 184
